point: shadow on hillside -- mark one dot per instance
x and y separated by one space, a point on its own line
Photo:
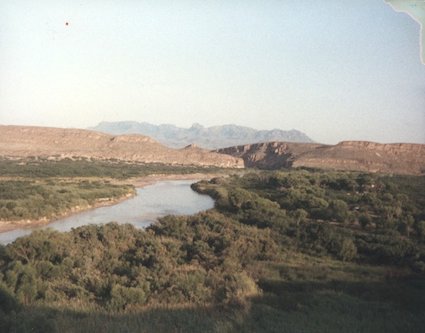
46 319
405 295
306 306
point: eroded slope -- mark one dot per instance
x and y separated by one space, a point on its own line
400 158
23 141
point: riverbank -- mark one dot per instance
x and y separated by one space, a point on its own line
28 223
140 182
137 182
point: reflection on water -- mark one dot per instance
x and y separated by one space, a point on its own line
162 198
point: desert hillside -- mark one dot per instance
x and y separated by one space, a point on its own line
400 158
23 141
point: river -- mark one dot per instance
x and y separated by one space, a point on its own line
153 201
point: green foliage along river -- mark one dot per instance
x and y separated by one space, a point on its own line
297 251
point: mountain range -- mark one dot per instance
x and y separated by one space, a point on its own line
59 143
206 137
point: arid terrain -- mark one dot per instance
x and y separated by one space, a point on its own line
24 141
399 158
59 143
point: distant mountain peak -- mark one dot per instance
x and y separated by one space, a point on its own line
197 126
213 137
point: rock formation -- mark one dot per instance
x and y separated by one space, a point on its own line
399 158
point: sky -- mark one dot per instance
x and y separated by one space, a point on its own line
334 69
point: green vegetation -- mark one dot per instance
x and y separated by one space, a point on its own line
36 199
44 168
291 251
35 188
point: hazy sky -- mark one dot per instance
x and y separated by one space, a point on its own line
335 69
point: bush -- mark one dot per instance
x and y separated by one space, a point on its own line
122 297
348 250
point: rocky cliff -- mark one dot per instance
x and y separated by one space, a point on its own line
23 141
269 155
400 158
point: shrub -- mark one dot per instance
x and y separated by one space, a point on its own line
348 250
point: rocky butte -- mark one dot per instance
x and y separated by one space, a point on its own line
398 158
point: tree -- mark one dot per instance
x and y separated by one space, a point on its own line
339 210
348 250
